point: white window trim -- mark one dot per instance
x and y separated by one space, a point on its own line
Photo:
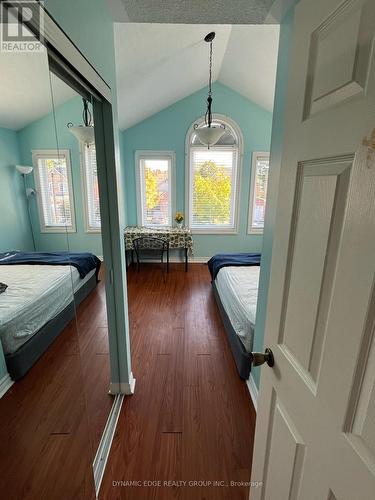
60 153
88 229
255 155
188 147
155 155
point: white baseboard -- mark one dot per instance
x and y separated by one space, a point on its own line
253 389
126 388
179 260
102 454
5 384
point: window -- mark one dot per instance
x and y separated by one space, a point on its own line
155 187
90 189
53 179
258 192
213 180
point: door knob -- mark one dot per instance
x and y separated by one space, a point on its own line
259 358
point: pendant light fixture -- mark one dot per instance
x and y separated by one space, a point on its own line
208 135
84 133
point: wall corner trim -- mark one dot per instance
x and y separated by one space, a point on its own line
253 390
5 384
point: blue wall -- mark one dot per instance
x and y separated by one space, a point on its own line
15 231
89 25
286 34
41 135
167 130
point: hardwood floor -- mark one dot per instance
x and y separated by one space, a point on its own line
191 417
51 421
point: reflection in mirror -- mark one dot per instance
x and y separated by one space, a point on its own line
48 377
75 135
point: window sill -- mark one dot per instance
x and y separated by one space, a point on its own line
255 232
208 232
57 230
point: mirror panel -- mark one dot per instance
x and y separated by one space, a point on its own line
45 412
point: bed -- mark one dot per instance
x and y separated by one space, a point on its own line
38 301
235 280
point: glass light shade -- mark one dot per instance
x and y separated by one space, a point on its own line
24 169
209 136
83 134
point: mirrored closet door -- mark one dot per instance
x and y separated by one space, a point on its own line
76 144
54 357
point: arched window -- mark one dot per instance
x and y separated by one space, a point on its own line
212 179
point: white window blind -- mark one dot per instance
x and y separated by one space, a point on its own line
213 178
91 188
258 191
55 191
155 185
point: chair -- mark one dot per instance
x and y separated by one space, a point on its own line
151 243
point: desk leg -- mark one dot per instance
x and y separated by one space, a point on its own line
186 260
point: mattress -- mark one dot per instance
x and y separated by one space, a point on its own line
238 291
35 295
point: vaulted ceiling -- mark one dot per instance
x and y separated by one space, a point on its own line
27 88
159 64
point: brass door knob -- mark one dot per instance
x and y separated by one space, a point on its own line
259 358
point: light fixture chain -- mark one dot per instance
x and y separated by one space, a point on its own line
210 72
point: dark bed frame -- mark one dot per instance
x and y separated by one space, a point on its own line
241 356
20 362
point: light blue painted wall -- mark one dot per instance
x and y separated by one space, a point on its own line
286 34
15 231
167 130
41 135
89 25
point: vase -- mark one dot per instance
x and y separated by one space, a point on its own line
179 225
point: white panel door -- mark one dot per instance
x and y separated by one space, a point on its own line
315 432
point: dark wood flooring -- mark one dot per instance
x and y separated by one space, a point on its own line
51 421
191 417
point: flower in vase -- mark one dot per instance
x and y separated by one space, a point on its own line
179 218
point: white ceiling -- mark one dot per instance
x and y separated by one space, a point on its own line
249 65
192 12
159 64
25 89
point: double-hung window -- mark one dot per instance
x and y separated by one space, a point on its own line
90 188
53 178
155 176
258 192
213 183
